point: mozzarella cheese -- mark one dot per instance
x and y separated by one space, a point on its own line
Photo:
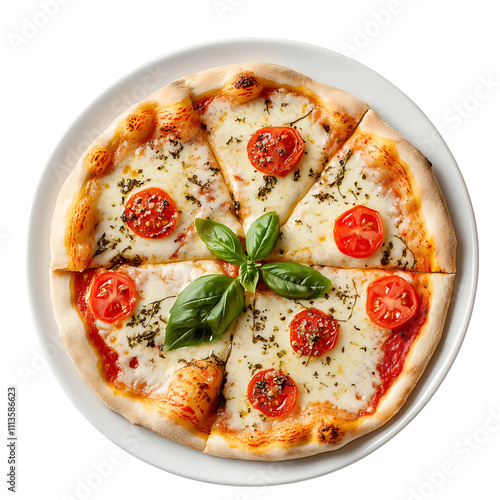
188 173
307 236
142 335
230 127
346 376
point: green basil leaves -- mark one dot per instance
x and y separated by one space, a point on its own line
249 275
295 281
263 235
207 307
221 241
204 311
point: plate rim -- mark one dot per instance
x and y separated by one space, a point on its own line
292 468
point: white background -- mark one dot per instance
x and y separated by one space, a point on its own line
59 55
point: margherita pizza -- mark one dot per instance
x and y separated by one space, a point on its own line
252 264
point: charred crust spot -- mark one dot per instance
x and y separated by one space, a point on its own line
245 80
329 434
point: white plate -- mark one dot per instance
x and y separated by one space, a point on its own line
324 66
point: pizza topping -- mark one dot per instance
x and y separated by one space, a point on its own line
312 332
269 183
391 301
204 311
109 357
151 213
230 269
272 392
221 241
359 232
295 281
112 297
275 150
263 236
207 307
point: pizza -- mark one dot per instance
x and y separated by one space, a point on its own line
252 264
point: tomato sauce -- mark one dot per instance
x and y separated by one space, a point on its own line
396 349
200 105
108 357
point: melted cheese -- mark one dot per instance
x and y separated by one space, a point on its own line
188 173
229 129
346 377
142 335
308 234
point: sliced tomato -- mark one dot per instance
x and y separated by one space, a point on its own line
275 150
359 232
312 332
230 269
112 297
272 392
151 213
391 301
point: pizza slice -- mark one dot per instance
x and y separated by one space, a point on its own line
135 193
272 131
308 376
113 326
377 204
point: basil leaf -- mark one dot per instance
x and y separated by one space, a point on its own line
249 275
221 241
203 311
230 306
295 281
263 235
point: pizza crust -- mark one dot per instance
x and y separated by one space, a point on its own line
213 80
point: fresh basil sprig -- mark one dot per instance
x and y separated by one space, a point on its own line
204 311
207 307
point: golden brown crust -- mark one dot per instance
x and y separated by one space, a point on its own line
236 79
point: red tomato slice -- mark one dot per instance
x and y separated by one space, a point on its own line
230 269
312 332
391 301
359 232
275 150
151 213
272 392
112 297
